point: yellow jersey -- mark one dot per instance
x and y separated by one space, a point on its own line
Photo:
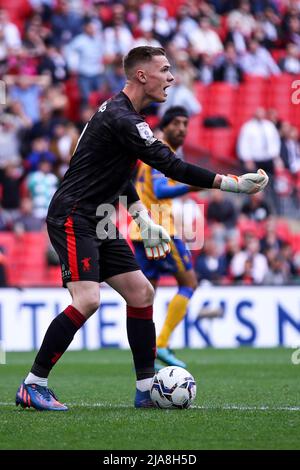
161 209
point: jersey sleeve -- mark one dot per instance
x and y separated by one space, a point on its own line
137 137
163 190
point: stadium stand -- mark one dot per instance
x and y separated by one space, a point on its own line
36 63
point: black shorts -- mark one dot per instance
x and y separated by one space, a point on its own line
85 257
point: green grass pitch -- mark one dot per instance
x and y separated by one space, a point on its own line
246 399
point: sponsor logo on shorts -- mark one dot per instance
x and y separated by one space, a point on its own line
65 272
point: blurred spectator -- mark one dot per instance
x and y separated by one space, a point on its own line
204 40
290 148
291 63
236 37
66 24
287 253
147 37
205 69
26 221
155 16
232 247
41 27
4 222
271 26
273 116
185 69
255 207
53 63
210 266
3 54
3 261
245 277
44 126
186 24
114 76
293 148
221 210
180 95
228 68
58 99
293 33
27 91
9 32
249 264
41 185
209 11
38 5
9 140
243 18
85 57
118 39
33 41
270 239
259 143
40 152
63 144
11 179
278 272
258 61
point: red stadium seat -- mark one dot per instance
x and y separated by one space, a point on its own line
283 230
220 142
279 93
295 242
247 226
195 131
73 95
222 100
201 93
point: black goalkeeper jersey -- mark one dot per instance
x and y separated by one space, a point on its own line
106 154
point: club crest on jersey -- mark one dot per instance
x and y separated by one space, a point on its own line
146 133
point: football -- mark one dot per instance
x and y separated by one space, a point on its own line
173 387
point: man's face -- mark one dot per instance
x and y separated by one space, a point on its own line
175 132
156 77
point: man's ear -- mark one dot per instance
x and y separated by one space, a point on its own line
141 76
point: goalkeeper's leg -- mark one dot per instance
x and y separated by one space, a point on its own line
139 295
34 391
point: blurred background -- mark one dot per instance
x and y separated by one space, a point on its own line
236 65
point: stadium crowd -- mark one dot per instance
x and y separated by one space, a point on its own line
59 59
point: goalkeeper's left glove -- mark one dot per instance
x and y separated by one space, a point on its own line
250 183
155 238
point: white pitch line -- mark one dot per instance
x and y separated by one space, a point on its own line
197 407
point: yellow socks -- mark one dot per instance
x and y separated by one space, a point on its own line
176 311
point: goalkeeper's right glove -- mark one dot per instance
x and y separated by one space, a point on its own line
249 183
155 238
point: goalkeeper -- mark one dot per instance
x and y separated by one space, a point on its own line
100 171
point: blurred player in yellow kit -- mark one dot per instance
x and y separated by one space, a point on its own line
156 192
